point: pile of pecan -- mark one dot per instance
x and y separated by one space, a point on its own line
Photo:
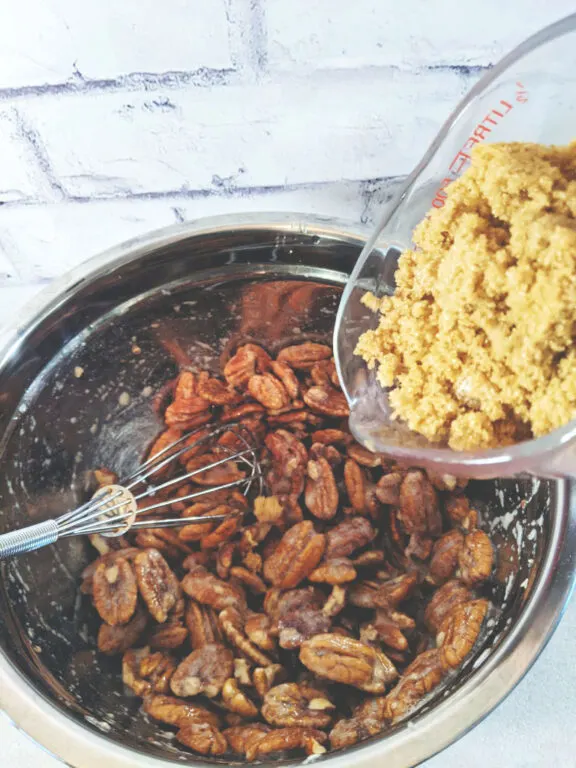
318 613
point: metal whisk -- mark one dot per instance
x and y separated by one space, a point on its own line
114 509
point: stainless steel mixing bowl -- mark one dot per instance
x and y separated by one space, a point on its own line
76 377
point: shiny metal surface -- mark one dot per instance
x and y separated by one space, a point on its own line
113 510
74 395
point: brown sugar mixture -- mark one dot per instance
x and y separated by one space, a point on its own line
325 609
478 341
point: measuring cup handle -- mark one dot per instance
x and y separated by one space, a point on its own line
28 539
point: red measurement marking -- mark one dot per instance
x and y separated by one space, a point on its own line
483 129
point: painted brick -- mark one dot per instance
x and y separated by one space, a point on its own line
47 41
12 298
21 178
45 241
326 127
321 33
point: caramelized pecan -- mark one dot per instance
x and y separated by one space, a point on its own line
475 558
339 570
304 356
202 738
459 632
286 739
157 584
205 588
236 700
348 536
269 391
419 679
288 704
349 661
115 591
232 623
172 711
321 492
327 401
445 554
419 512
205 671
298 553
446 598
146 672
118 639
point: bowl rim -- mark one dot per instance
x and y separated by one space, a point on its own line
81 747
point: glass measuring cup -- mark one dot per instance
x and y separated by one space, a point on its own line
528 96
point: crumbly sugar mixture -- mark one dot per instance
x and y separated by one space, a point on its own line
478 343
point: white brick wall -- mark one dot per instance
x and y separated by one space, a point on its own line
47 41
321 127
120 117
411 34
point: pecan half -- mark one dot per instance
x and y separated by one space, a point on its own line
348 536
321 491
243 738
289 459
304 356
146 672
459 632
390 626
248 360
118 639
172 711
419 512
115 591
339 570
475 558
157 583
368 719
329 436
236 700
215 391
355 482
327 401
286 375
258 629
388 489
251 580
446 598
204 587
264 678
419 679
232 625
269 391
285 739
205 671
445 554
336 601
298 553
202 738
349 661
299 616
168 636
288 704
363 456
460 512
202 625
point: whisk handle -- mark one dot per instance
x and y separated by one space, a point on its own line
28 539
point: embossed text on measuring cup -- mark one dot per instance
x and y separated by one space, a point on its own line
479 134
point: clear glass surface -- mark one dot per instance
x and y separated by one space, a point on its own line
528 96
